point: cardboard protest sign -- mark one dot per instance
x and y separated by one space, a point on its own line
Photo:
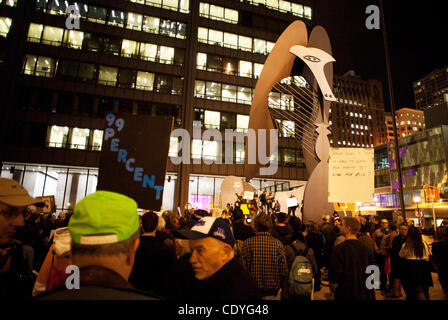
248 195
49 207
351 175
291 202
134 156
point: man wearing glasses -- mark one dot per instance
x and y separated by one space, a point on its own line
14 200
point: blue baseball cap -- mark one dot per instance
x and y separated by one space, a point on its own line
208 227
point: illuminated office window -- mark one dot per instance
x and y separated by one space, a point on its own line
199 90
151 24
239 153
97 140
174 145
245 43
80 139
204 9
275 100
272 4
107 76
242 122
171 4
307 12
201 61
116 18
259 46
129 48
257 69
288 129
73 39
213 90
216 12
134 21
229 93
138 1
168 28
196 149
245 68
297 9
210 150
52 36
202 34
45 67
230 40
269 46
166 54
35 32
58 137
30 64
184 6
231 15
244 95
215 37
230 65
212 119
285 6
148 51
145 81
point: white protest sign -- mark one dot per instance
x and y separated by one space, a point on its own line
292 202
248 195
351 175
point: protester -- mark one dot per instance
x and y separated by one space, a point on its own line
280 230
381 255
348 264
329 232
440 255
315 240
385 247
265 258
105 236
264 202
415 275
16 279
365 238
241 231
221 277
276 207
395 260
52 274
153 257
292 210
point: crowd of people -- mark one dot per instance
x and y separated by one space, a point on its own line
200 256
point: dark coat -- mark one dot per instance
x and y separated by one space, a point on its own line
242 231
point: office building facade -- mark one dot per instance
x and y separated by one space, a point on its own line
197 61
432 89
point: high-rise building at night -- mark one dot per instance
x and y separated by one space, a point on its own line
432 89
357 117
409 121
190 59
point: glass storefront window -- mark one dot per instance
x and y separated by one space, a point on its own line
97 140
244 95
228 93
213 90
230 40
148 51
199 90
129 48
245 69
201 61
244 43
52 36
45 67
242 122
58 137
166 54
145 81
151 24
212 119
80 139
134 21
74 39
34 32
107 76
257 70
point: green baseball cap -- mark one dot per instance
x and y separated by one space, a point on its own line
103 217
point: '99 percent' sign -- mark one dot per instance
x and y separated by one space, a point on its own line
134 156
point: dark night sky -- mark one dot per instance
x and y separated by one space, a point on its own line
417 34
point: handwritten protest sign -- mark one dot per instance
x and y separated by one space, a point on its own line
351 175
134 156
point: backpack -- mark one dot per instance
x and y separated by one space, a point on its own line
300 281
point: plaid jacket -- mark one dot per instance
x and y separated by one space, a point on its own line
265 259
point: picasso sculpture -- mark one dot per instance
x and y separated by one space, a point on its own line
311 60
